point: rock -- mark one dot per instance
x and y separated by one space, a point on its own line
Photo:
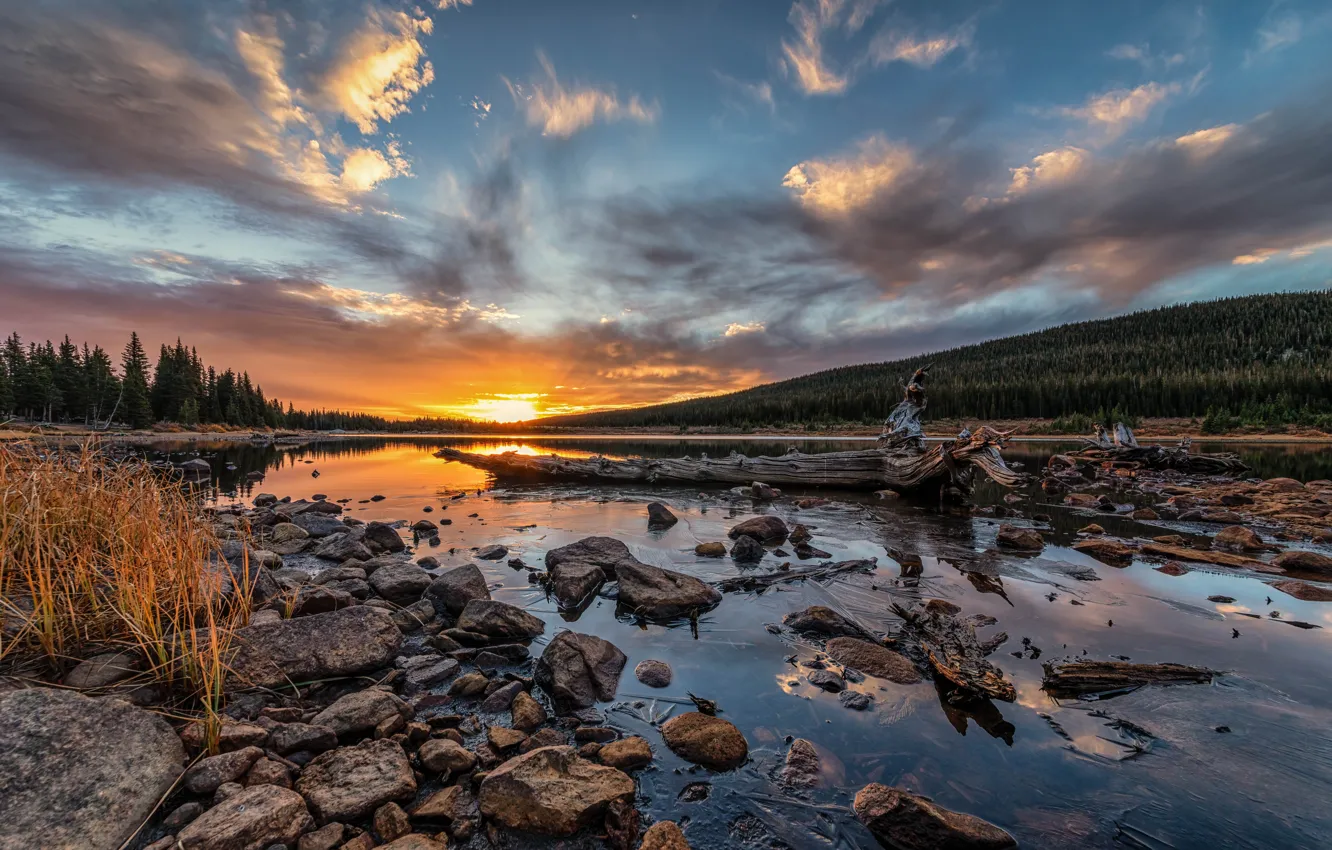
528 715
1145 514
602 552
499 620
287 738
710 550
873 660
207 775
654 674
451 592
547 737
855 700
819 619
265 500
451 805
103 670
1091 529
657 593
747 550
424 527
501 698
340 643
627 754
390 821
323 506
664 835
255 818
575 582
401 583
319 599
441 755
1110 551
802 764
1021 539
382 537
318 525
551 791
268 771
181 815
764 529
361 711
503 738
1299 560
1237 538
349 783
415 616
415 841
425 671
900 819
702 739
1304 590
827 680
325 838
577 670
493 552
341 547
660 516
1173 568
77 772
469 685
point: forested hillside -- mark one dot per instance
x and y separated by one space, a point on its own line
1262 359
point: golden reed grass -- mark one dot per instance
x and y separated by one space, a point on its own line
97 555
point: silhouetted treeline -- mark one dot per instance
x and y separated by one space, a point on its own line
1256 360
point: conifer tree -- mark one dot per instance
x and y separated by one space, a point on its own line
134 405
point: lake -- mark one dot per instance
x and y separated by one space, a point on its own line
1148 769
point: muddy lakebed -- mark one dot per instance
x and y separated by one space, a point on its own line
1245 761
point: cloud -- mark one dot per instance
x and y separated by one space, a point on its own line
1050 167
365 168
1115 111
804 56
1143 55
562 112
736 329
1278 33
379 69
842 184
759 93
1207 141
923 52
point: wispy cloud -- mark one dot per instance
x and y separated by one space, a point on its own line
1114 112
842 184
804 56
1278 32
1144 56
921 51
379 69
563 111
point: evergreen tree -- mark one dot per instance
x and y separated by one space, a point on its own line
135 407
101 385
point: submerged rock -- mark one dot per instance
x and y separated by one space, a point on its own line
1304 590
906 821
1021 539
819 619
1111 552
77 772
579 670
493 552
706 740
873 660
340 643
764 529
601 552
802 764
655 592
1089 677
747 550
551 791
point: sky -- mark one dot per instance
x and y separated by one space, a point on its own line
503 208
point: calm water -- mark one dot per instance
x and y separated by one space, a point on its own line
1145 770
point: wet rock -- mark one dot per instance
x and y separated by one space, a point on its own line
551 791
855 700
579 670
469 685
528 715
319 599
1221 600
493 552
348 784
1173 568
401 583
441 755
1021 539
361 711
626 754
390 822
207 775
1184 553
654 674
454 806
424 527
102 670
906 821
425 671
318 525
702 739
710 550
1237 538
341 547
660 516
763 492
621 825
287 738
602 552
1304 590
804 552
501 698
764 529
1299 560
77 772
1110 551
802 764
827 680
1091 529
574 582
747 550
657 593
382 537
257 817
873 660
499 620
664 835
451 592
1145 514
800 534
821 620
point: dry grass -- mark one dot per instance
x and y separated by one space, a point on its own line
96 555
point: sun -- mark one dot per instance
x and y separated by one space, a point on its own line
503 409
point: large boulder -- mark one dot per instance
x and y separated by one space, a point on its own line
342 547
873 659
362 711
252 819
78 772
660 516
340 643
1237 538
602 552
764 529
654 592
499 620
319 525
1304 561
906 821
551 791
382 537
451 592
575 582
349 783
579 670
401 583
706 740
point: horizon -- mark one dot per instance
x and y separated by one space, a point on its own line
508 213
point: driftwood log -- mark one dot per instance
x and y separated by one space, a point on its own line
1100 677
901 462
949 646
1122 451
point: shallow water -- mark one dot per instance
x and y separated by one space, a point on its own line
1144 770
